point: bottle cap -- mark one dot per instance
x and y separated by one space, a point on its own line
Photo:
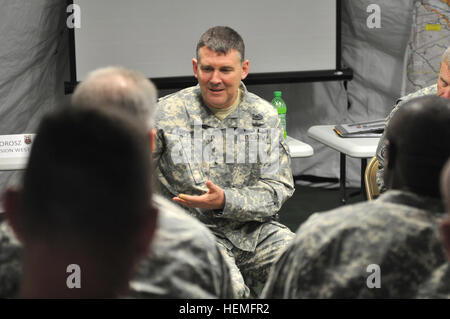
277 93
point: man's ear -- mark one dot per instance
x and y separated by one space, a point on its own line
194 67
12 208
390 156
445 231
389 164
151 136
245 69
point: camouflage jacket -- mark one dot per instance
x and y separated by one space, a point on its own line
335 253
430 90
245 155
184 261
438 285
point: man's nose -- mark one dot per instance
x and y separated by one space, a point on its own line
446 92
215 78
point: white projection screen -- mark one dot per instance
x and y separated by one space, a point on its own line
158 37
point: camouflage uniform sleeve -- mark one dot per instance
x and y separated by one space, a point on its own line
184 262
381 148
264 199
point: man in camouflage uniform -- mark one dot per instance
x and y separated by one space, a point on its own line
441 88
221 153
185 262
438 286
384 248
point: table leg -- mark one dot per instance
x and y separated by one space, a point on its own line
363 172
342 179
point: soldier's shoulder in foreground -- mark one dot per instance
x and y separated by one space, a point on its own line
397 210
173 218
332 250
184 261
438 285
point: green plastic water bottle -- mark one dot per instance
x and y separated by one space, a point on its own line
279 104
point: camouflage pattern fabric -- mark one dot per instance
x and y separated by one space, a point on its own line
438 286
244 154
184 261
381 149
10 262
255 266
332 251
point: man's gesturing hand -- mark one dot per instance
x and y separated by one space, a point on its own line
213 199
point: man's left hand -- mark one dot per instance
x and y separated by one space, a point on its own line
213 199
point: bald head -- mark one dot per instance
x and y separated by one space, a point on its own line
418 145
118 87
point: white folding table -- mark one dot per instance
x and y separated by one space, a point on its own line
298 148
357 147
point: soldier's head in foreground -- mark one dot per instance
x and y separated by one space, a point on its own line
417 145
121 88
84 212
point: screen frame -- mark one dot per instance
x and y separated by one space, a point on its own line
180 82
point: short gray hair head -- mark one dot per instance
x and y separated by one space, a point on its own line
118 87
222 39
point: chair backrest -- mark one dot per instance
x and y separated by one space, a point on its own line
370 179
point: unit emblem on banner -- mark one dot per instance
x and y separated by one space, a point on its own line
27 139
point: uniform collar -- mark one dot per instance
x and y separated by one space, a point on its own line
414 200
241 117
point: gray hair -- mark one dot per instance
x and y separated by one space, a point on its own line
222 39
446 57
118 87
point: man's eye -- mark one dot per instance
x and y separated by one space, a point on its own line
206 69
226 70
